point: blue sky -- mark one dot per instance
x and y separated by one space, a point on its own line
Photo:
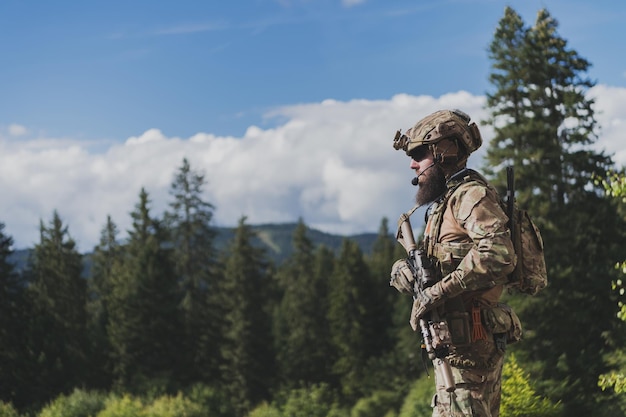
101 98
111 69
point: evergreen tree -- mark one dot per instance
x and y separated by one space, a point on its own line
59 319
13 383
106 254
302 340
396 352
189 223
143 322
247 353
544 124
381 297
349 319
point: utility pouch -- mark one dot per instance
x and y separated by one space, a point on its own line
458 323
501 319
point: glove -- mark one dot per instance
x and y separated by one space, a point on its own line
401 277
425 301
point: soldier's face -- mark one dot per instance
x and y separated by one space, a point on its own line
431 178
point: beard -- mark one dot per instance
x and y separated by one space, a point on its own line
431 185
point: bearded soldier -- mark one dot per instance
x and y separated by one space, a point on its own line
468 244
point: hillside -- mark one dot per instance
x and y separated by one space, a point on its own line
275 239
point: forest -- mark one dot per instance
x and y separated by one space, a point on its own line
165 324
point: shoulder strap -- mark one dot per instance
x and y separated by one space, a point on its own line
464 176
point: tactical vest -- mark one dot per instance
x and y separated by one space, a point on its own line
434 221
530 274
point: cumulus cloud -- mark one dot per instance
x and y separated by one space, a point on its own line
330 163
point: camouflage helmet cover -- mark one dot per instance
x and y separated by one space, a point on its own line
442 124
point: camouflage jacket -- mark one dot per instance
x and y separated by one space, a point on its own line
467 233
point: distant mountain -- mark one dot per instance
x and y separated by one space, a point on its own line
275 239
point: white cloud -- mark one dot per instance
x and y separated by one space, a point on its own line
331 163
17 130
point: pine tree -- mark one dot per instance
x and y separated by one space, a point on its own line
106 254
247 353
143 322
12 317
348 318
59 319
302 342
544 126
189 223
381 297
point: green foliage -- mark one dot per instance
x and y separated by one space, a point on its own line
417 402
7 410
188 222
12 319
348 318
614 380
144 324
214 401
79 403
57 329
122 406
178 406
300 319
519 399
615 188
248 359
544 126
378 404
317 400
265 410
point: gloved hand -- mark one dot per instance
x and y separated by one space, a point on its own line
425 301
401 277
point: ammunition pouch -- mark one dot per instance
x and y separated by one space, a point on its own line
459 325
500 319
450 255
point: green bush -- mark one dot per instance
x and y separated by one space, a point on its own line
417 402
213 401
379 404
7 410
125 406
519 399
315 401
265 410
79 403
179 406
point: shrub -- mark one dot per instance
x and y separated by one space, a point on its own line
379 404
417 402
7 410
314 401
213 401
179 406
79 403
125 406
519 399
265 410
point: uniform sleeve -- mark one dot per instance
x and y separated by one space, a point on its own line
491 258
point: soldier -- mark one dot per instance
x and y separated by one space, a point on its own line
468 241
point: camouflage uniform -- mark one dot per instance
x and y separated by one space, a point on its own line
468 239
467 234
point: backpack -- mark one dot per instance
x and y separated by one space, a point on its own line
530 275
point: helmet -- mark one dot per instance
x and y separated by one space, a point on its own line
442 124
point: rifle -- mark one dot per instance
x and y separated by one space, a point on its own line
510 198
437 341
